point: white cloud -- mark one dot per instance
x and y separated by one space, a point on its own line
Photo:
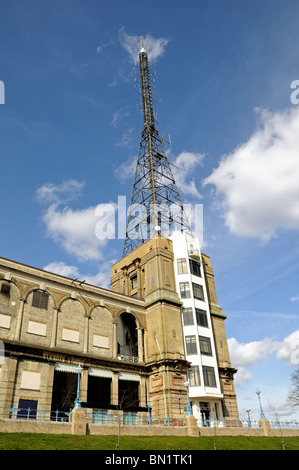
59 267
288 349
74 230
184 167
126 170
258 182
126 139
154 47
66 191
247 354
242 377
101 279
81 232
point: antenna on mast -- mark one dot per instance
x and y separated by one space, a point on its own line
155 196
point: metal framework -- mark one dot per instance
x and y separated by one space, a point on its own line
156 206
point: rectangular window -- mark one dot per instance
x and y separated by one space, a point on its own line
209 376
197 291
201 317
27 409
187 316
134 281
182 266
40 299
205 346
194 267
185 290
194 377
191 345
5 289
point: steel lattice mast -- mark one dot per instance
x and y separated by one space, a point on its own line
156 206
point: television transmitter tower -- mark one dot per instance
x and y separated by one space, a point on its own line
156 207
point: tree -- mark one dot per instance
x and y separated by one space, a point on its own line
294 390
128 397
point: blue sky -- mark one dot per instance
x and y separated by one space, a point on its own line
69 136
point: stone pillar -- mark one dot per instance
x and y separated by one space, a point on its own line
8 382
139 285
114 341
84 385
114 389
142 394
192 427
265 425
54 328
78 422
145 344
140 345
19 319
86 334
126 280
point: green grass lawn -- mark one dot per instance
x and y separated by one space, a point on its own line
23 441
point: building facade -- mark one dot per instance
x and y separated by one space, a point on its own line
212 392
133 341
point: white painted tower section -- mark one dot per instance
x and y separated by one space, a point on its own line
204 391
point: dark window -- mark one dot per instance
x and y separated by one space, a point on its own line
27 409
182 266
5 289
205 346
195 267
209 376
187 316
201 317
194 377
197 291
134 281
40 299
185 290
191 345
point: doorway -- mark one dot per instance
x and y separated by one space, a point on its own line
205 413
98 391
64 391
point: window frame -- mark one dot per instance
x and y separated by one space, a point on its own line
189 316
194 376
209 376
134 281
205 345
182 266
192 263
185 291
195 288
191 345
40 299
5 288
201 317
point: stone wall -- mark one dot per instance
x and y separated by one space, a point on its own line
24 426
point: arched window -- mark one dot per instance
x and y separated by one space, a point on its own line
127 338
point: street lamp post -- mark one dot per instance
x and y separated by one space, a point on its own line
258 392
77 400
189 411
249 422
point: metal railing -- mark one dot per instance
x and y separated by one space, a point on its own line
33 413
124 418
92 416
238 423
